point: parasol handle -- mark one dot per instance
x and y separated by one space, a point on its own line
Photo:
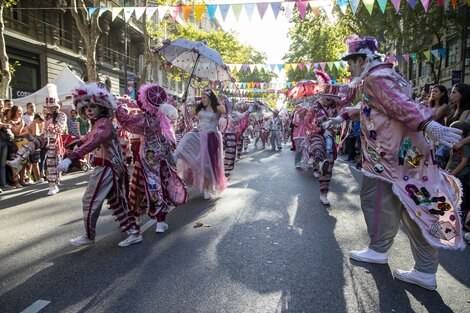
185 95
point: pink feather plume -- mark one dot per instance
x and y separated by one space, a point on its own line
323 78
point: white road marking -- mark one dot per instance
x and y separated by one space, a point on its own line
147 225
36 306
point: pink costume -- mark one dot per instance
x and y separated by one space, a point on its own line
396 152
154 164
109 179
200 154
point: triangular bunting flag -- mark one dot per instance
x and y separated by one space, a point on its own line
91 11
294 66
330 65
139 11
396 4
435 53
343 5
249 9
399 58
259 67
280 67
223 8
128 13
288 8
302 8
327 6
262 7
162 11
322 65
174 11
115 12
337 65
454 3
369 5
308 66
315 11
427 54
301 66
102 10
287 66
198 11
211 8
237 9
382 5
413 56
186 11
150 12
425 4
390 59
440 3
276 7
354 4
406 57
412 3
252 67
442 51
272 67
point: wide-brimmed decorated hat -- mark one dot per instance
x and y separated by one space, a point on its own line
52 100
94 92
150 97
357 46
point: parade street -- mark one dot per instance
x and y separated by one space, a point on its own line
266 244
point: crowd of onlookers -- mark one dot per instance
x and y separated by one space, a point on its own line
17 128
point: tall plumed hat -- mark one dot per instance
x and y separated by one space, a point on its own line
365 46
52 100
150 97
94 92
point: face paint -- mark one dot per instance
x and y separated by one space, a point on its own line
92 111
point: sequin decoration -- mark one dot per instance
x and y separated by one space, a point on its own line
405 178
424 178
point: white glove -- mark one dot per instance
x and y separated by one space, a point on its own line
439 134
332 122
64 165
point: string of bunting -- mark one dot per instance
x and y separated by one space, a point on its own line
248 9
428 55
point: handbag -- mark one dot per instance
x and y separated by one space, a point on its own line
177 190
6 135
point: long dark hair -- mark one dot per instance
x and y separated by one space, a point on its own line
214 100
443 100
464 90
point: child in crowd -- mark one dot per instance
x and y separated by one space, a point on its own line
458 166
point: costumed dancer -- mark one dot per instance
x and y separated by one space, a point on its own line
55 125
200 151
162 188
228 135
109 179
416 191
298 133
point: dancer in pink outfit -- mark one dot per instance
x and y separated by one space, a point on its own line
200 151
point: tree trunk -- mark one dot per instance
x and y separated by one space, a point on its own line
5 78
145 75
89 29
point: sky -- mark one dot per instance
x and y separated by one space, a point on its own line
268 35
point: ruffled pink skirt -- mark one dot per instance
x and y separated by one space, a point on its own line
200 160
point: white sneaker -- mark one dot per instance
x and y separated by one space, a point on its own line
369 256
316 173
82 240
297 165
131 239
424 280
53 190
161 227
207 194
40 181
324 199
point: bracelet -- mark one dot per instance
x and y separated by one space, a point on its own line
423 125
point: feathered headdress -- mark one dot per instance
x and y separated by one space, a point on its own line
322 77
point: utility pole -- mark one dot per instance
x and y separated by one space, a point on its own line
125 57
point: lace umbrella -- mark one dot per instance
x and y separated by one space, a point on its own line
196 58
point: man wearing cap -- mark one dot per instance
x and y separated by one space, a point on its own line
401 182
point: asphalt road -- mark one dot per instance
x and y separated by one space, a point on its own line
271 247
